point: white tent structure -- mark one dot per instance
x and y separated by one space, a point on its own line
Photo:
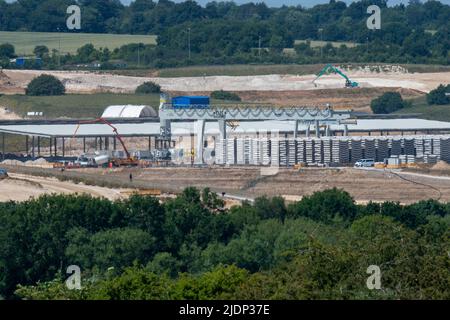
129 111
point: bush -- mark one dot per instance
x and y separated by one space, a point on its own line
387 103
438 95
45 85
148 87
7 50
41 51
225 95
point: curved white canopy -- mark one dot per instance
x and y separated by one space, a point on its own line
129 111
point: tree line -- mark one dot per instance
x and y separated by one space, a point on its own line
191 247
224 33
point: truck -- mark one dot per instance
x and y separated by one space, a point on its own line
129 161
3 173
92 160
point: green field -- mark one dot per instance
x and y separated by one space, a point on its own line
241 70
419 105
74 105
79 105
318 43
24 42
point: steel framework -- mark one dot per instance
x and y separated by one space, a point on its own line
223 114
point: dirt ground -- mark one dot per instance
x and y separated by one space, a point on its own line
363 185
14 81
271 89
20 187
356 99
6 114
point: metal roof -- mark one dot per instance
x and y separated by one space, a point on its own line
148 128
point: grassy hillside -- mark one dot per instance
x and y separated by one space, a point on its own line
79 105
419 105
74 105
24 42
238 70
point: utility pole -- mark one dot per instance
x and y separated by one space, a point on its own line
139 55
259 47
59 50
367 45
321 42
189 42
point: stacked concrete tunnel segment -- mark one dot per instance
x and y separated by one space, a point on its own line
331 150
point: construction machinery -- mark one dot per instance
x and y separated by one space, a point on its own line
329 69
129 161
233 125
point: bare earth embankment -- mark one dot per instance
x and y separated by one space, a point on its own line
271 89
248 183
21 187
85 82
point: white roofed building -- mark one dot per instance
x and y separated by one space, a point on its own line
129 111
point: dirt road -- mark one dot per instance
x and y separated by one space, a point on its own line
251 182
20 187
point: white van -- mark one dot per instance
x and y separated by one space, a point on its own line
365 163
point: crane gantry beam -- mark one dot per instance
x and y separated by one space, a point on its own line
252 113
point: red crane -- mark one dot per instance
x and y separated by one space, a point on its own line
130 160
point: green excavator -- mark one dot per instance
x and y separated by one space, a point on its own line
329 69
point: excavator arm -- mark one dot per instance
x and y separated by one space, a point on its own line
332 69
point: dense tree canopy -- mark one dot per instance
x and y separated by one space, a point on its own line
224 32
191 247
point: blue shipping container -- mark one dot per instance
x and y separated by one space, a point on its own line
21 61
190 101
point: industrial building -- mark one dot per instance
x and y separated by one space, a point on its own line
240 135
249 143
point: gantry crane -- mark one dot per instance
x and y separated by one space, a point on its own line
129 161
328 69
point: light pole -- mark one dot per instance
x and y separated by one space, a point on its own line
139 55
259 47
59 50
189 42
367 40
321 42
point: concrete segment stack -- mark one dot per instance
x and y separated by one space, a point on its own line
369 149
338 150
240 152
382 149
231 152
356 150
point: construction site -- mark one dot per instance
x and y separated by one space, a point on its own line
241 151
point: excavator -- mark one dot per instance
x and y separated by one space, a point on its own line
332 69
129 161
